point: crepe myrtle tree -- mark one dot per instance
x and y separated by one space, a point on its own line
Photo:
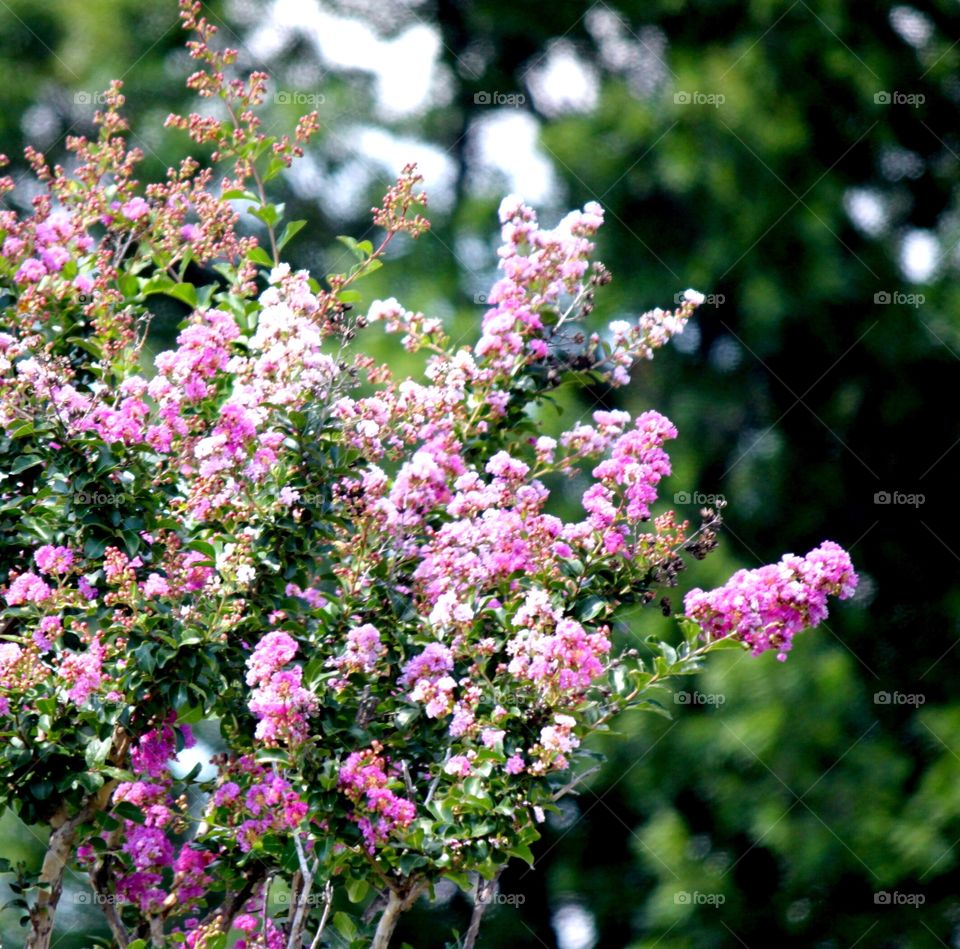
357 577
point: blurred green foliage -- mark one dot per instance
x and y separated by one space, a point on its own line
785 814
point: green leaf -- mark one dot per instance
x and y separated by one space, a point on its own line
354 247
259 256
95 754
235 194
201 546
129 285
24 462
524 853
22 430
289 232
127 810
274 168
88 345
270 214
357 890
344 925
185 292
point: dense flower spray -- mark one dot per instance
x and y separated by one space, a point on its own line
362 586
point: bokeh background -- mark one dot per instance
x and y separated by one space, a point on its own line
797 161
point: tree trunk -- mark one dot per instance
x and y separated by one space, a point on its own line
486 890
388 921
397 904
60 849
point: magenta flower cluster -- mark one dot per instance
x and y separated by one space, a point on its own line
366 779
279 701
765 608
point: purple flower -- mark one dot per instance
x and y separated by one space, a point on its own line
135 208
765 608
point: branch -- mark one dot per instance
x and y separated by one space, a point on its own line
398 902
484 895
327 906
233 901
99 878
577 779
59 851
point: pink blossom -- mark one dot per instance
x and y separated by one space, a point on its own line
135 208
458 765
27 588
53 560
155 585
765 608
30 271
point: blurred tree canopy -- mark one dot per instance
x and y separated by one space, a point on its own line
799 162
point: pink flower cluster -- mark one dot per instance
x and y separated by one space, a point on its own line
429 674
83 672
565 661
53 560
150 852
257 802
635 466
556 741
541 269
765 608
27 588
365 779
274 806
364 651
56 240
280 702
